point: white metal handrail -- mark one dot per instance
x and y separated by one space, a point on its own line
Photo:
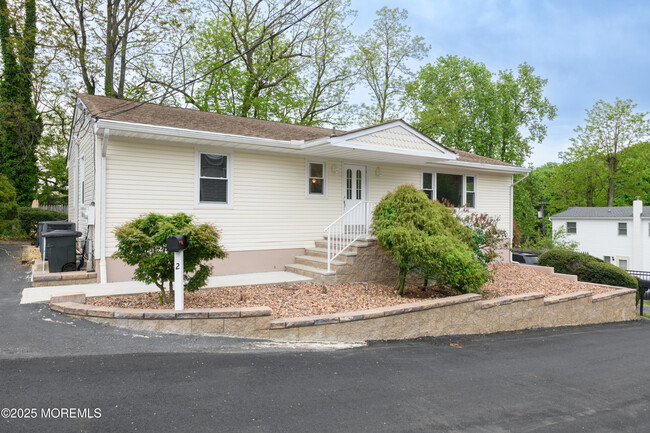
348 228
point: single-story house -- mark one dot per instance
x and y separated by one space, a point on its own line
619 235
271 187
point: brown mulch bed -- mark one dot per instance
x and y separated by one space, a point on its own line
308 299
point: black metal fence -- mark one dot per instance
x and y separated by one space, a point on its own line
642 275
644 286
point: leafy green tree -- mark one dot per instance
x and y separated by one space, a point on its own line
20 122
8 205
424 236
142 243
300 76
528 196
458 102
382 55
609 130
577 183
634 175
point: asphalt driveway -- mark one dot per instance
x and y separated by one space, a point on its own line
592 378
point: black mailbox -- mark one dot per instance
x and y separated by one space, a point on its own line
176 243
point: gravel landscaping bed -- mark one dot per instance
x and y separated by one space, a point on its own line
308 299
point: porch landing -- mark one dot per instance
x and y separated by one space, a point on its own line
42 294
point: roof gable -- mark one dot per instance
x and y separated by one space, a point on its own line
393 136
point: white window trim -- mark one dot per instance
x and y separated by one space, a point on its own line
434 185
618 262
307 177
197 180
475 191
618 229
433 182
567 228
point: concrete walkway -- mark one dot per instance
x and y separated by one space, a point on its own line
33 295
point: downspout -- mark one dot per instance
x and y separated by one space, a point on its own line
512 205
102 223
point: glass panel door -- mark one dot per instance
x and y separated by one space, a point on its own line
354 190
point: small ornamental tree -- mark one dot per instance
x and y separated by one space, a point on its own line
142 243
424 236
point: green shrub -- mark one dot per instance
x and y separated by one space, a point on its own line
28 219
8 206
424 236
142 243
588 268
606 273
565 261
451 263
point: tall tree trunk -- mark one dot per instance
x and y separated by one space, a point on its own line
112 7
401 280
613 166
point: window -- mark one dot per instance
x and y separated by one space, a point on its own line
458 190
316 178
622 263
213 178
622 229
470 192
450 187
427 184
82 179
571 227
608 259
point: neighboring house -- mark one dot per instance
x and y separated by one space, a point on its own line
619 235
272 188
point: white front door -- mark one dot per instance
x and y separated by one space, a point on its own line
354 189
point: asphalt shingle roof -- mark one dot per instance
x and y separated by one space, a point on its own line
187 118
601 212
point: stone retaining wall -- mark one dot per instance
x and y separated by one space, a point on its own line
457 315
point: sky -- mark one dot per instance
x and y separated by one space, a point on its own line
587 49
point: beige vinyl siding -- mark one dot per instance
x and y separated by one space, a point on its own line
270 208
493 198
84 146
391 177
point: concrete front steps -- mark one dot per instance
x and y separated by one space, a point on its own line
314 263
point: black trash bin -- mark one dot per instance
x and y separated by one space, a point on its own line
48 226
61 250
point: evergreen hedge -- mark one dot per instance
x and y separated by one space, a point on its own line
28 219
588 268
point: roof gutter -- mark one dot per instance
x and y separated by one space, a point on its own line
491 167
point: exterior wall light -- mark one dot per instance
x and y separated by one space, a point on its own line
378 172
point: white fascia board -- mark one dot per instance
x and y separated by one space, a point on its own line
351 136
489 167
611 218
370 147
170 131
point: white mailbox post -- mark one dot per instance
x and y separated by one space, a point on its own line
177 244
